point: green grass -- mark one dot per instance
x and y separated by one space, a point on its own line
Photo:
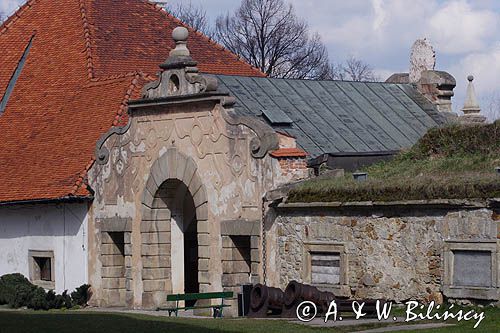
88 322
491 323
454 162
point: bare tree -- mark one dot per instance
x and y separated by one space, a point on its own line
353 70
192 15
269 35
492 110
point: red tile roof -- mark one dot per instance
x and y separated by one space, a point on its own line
88 58
288 152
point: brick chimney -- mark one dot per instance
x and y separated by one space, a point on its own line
437 86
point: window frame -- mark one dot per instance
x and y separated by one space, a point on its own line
33 270
340 289
475 292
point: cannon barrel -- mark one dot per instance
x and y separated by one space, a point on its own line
296 293
264 299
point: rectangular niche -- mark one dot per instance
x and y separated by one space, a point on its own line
326 267
41 268
470 270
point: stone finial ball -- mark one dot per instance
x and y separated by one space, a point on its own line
470 78
180 34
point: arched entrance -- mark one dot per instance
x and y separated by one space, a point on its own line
174 230
174 195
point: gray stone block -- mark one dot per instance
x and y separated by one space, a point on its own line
190 171
203 226
155 261
231 267
203 252
240 228
204 239
200 197
227 242
113 283
110 249
113 260
203 277
181 167
112 272
234 254
128 249
155 226
255 242
155 237
171 155
154 285
155 249
157 175
203 264
155 273
229 280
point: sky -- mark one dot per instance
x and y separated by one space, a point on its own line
464 33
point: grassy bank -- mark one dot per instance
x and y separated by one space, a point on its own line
453 162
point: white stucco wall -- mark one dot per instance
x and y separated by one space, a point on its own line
61 228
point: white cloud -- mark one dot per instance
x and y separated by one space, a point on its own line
458 28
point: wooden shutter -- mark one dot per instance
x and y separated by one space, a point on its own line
325 268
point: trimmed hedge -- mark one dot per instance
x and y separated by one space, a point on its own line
17 291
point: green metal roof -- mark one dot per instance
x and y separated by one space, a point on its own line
337 116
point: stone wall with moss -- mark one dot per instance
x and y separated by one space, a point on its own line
394 252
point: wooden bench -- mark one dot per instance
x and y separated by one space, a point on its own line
218 308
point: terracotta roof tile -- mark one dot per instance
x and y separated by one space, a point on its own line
288 152
87 59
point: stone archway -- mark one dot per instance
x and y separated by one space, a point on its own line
174 195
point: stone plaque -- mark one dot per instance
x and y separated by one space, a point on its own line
422 58
472 268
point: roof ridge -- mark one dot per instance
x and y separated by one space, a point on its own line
82 178
15 16
88 40
128 94
202 35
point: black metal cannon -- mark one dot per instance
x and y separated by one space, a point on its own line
296 293
265 301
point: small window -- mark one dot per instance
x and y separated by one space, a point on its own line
325 268
173 84
42 268
471 269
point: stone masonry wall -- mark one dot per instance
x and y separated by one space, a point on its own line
392 253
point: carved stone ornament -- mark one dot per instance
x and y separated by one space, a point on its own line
422 58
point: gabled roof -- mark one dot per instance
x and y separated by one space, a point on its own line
87 59
337 116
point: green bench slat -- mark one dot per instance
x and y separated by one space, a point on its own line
198 296
196 307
